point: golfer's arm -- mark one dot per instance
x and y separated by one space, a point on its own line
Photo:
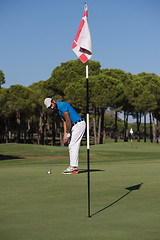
64 126
67 123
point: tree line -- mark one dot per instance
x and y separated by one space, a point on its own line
24 117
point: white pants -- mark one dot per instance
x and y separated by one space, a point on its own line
77 133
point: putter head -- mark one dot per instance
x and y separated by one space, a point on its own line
49 172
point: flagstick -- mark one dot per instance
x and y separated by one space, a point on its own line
87 115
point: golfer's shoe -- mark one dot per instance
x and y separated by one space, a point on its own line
70 170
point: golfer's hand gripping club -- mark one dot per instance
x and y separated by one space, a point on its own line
67 137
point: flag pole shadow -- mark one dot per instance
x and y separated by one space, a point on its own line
131 188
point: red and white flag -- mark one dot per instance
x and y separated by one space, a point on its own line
82 45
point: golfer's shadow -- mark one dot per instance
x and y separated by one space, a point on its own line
135 187
91 170
8 157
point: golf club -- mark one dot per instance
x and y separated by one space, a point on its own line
49 172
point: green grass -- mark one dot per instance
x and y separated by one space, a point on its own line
37 206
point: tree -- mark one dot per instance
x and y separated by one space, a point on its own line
2 78
23 110
3 114
117 89
105 91
17 105
150 97
71 71
141 99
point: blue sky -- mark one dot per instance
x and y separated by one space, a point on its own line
37 36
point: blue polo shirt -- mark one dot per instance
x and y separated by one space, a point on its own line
63 107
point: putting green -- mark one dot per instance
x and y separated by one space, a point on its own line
38 206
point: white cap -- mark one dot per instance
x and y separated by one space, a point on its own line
47 102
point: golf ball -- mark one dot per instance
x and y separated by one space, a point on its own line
49 172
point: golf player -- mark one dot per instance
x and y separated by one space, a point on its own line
74 128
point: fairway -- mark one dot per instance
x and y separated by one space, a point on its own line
37 206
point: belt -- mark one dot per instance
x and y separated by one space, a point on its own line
77 122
